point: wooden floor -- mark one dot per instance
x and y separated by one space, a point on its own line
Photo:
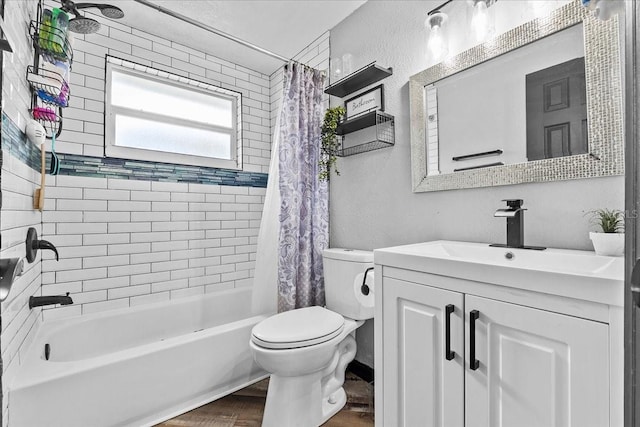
244 408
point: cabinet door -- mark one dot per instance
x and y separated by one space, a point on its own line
421 386
536 368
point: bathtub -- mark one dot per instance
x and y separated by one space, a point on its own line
136 366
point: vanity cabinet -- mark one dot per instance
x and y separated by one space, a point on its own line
454 352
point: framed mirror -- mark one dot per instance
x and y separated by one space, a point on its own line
541 102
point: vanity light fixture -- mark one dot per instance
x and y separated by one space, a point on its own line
482 24
437 47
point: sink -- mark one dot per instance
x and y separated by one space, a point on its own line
567 261
552 270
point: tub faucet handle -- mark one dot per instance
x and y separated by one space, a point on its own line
33 244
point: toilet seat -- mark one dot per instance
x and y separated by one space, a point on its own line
298 328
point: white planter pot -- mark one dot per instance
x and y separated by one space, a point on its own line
609 244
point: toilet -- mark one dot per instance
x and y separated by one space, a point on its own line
308 349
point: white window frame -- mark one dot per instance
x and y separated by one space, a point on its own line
148 73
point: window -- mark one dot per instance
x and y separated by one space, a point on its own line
161 117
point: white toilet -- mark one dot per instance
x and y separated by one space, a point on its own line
307 350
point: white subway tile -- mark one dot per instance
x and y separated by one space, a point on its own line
62 288
84 274
169 285
87 297
150 257
140 279
188 216
105 261
187 197
129 291
128 270
187 235
63 264
129 227
150 216
98 284
152 196
169 206
118 205
129 248
187 254
81 205
204 243
169 246
150 237
83 228
91 194
105 239
128 184
170 226
169 265
105 216
187 273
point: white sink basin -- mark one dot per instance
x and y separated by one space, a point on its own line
556 271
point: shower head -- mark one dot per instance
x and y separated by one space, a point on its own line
82 24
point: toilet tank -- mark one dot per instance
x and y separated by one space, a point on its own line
343 273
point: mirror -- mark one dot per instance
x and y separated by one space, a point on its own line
495 114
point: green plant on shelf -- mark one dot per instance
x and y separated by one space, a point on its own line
330 143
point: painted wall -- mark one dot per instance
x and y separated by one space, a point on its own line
372 205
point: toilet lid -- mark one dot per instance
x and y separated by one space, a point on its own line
298 328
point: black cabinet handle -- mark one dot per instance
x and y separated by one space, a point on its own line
473 362
448 354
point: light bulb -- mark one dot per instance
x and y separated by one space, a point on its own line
437 47
481 24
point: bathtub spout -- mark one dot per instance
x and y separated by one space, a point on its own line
50 300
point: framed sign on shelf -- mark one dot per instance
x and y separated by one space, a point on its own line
371 100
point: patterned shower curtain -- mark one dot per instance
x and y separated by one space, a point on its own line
304 206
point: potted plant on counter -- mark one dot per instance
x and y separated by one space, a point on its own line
610 241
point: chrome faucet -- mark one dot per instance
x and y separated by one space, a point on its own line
50 300
514 212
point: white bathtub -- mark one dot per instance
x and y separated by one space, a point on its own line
136 366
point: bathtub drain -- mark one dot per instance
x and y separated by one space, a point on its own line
47 351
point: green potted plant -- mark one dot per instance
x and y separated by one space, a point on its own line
609 241
330 143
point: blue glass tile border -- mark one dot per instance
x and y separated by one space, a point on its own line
15 142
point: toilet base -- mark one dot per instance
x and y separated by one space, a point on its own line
309 400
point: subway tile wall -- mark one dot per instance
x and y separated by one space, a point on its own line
125 242
129 242
18 182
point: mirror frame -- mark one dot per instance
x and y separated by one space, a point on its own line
604 106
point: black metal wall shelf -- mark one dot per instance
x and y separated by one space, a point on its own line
385 132
357 80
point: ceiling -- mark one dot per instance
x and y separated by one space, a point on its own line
284 27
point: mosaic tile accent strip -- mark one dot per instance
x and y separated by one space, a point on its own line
15 142
604 97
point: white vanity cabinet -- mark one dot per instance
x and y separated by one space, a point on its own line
456 352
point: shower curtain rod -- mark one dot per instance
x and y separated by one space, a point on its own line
211 29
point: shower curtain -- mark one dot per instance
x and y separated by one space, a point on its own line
294 229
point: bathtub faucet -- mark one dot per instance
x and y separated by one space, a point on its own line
50 300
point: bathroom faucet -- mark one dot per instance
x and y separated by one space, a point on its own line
514 212
50 300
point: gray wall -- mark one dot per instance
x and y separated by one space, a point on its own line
372 205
